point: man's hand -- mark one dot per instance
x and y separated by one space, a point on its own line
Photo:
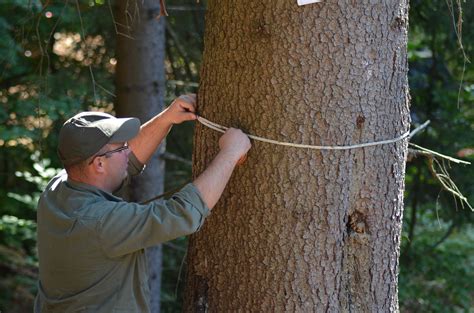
181 109
211 183
154 131
234 143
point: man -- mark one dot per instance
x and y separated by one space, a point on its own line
90 241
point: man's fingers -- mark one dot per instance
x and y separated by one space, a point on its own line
190 117
191 106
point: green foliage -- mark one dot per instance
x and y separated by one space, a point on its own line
439 279
18 257
18 263
18 233
19 279
436 259
436 69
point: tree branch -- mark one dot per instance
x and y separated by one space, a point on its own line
442 176
448 233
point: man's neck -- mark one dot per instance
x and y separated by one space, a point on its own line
97 182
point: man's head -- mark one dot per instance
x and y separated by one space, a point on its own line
88 138
85 134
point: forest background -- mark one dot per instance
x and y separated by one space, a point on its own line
58 58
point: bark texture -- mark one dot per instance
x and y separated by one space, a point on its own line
301 230
140 91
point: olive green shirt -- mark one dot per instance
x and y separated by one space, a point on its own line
91 244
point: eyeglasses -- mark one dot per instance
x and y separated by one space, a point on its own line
108 153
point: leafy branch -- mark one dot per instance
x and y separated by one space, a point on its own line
437 167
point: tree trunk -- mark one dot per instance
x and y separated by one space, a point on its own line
301 230
140 82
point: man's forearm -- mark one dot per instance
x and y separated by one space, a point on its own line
151 135
155 130
212 181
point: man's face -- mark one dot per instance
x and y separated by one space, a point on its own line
116 163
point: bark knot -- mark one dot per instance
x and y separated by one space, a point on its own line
262 26
399 22
357 223
360 121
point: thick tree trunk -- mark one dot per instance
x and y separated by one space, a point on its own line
140 82
301 230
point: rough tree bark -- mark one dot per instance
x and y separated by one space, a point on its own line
140 90
302 230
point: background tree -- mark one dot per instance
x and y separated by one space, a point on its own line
303 230
140 91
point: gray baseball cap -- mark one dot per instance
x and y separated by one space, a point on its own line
84 134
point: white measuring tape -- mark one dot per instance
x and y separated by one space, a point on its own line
305 2
222 129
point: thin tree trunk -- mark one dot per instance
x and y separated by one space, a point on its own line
140 83
299 230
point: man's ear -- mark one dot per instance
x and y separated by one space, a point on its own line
98 165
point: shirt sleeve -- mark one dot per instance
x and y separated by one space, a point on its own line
135 167
127 227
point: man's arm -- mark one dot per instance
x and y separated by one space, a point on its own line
155 130
234 144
